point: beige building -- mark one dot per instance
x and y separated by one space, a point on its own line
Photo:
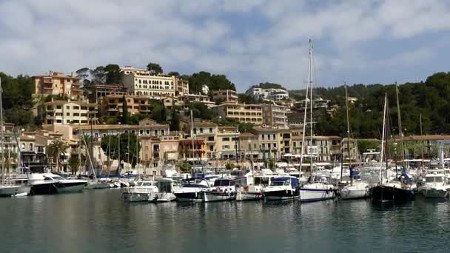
207 131
227 143
70 112
249 146
244 113
270 142
56 83
224 96
155 151
275 115
323 148
143 83
112 105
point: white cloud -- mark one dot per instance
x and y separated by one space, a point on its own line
65 35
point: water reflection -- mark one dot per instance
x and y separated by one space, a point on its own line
99 221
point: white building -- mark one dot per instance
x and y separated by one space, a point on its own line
273 94
142 82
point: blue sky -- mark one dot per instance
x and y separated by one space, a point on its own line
250 41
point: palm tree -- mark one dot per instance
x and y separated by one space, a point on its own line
55 149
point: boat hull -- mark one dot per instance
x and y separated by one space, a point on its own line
354 194
14 190
383 193
190 196
218 196
43 189
311 195
281 195
162 197
247 196
435 193
70 187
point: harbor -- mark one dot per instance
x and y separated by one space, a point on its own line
100 221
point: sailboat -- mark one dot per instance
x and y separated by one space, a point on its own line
318 187
8 189
357 189
394 190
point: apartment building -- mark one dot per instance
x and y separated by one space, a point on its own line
270 143
57 83
70 112
323 148
224 96
249 146
245 113
207 131
143 83
275 115
155 151
112 105
227 143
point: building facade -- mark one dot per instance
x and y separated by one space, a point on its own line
56 83
275 115
112 105
70 112
244 113
143 83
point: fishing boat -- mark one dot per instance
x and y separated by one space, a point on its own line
253 187
282 188
224 189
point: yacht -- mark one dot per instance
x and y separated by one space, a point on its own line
282 188
142 191
223 189
191 190
318 188
49 183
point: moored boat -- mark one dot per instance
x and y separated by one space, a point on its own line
282 188
223 190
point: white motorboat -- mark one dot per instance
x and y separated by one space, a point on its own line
49 183
252 188
191 190
282 188
223 190
165 191
436 185
142 191
317 189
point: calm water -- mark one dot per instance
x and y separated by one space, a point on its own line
98 221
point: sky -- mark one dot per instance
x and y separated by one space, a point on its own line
250 41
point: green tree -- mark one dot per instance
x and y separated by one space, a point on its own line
173 73
174 121
128 147
98 74
124 110
55 150
184 167
154 68
214 82
75 161
113 74
158 111
200 110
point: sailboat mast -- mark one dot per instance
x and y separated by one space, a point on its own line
2 133
383 137
192 135
310 82
399 120
348 134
